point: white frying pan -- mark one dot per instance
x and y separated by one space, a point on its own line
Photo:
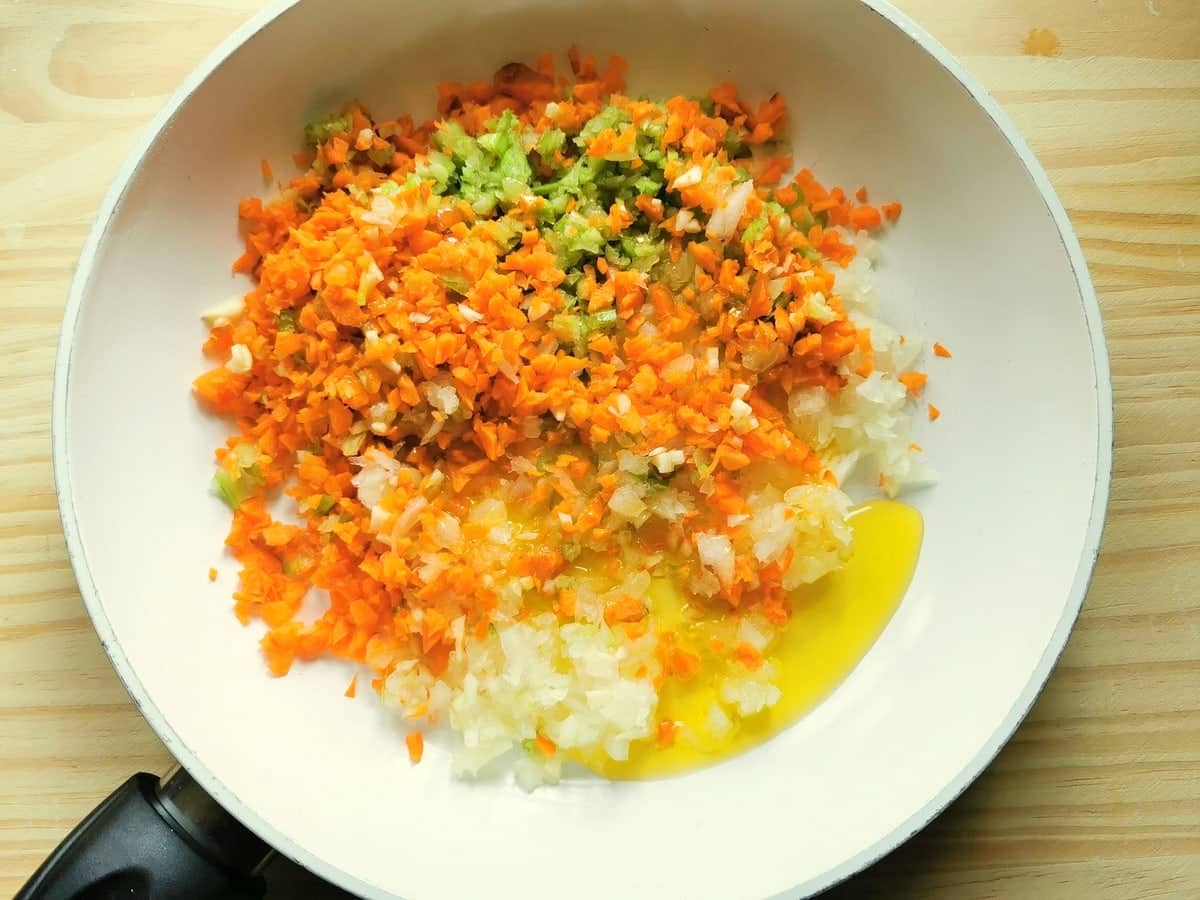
984 261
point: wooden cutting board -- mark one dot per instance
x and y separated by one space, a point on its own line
1098 795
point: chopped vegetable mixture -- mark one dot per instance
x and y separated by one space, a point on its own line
551 379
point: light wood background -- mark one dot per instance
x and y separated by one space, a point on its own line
1098 796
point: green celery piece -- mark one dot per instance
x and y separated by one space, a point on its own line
451 138
381 156
550 142
460 284
320 131
610 117
605 320
293 567
438 168
232 490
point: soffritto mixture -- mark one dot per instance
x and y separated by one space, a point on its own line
563 385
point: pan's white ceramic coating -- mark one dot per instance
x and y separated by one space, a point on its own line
983 260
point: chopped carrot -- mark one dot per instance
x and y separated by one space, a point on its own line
667 730
774 169
546 745
940 350
626 609
934 413
416 746
865 218
212 574
352 688
267 172
913 381
684 663
748 656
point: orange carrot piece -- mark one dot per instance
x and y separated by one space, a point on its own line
914 382
626 609
748 656
684 663
415 742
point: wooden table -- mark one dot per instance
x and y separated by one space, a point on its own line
1098 796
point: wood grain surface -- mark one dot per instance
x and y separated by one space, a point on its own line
1098 795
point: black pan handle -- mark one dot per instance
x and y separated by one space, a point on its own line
154 840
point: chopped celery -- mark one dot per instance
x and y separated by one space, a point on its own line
507 233
575 328
550 142
616 258
240 484
755 229
325 505
678 275
322 130
245 455
643 251
451 138
286 320
297 565
580 179
512 190
459 284
570 329
610 117
438 168
232 490
573 236
514 166
605 320
493 169
381 156
352 443
648 186
734 144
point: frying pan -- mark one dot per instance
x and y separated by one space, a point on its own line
984 260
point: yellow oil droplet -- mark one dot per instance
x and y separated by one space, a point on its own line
834 623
